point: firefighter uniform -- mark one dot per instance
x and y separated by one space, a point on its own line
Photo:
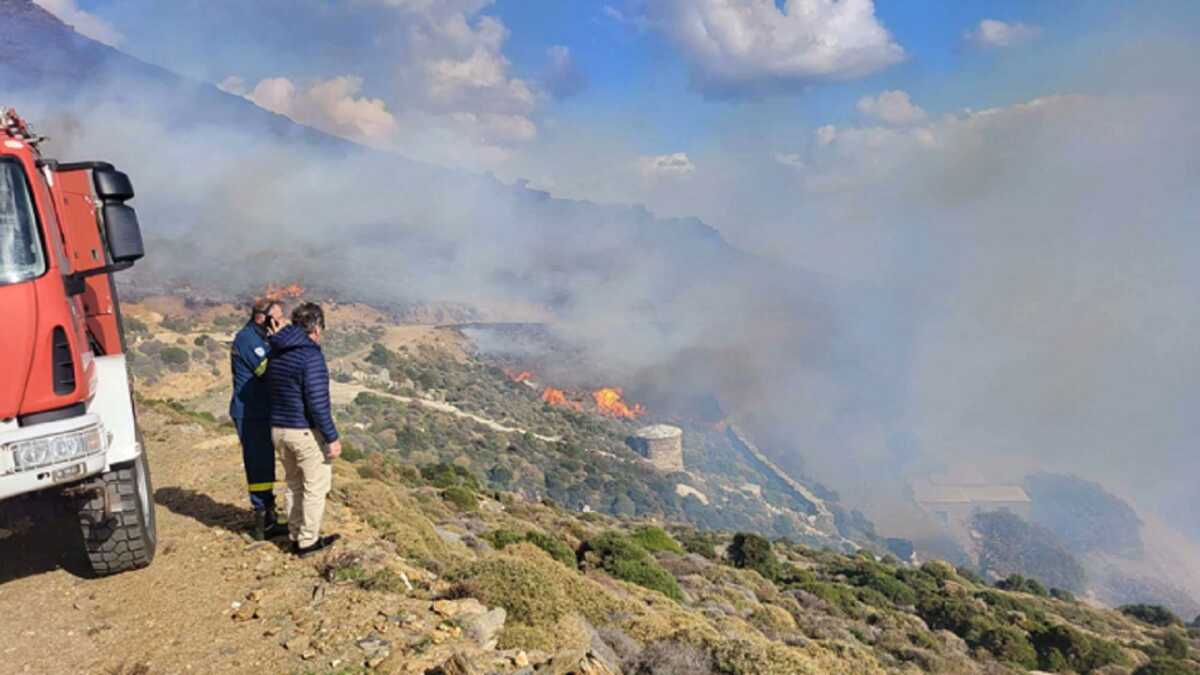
250 409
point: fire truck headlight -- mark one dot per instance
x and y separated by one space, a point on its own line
39 452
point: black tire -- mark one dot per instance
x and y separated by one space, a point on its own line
125 541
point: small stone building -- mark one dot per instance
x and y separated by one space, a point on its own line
662 444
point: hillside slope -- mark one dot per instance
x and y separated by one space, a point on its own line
417 582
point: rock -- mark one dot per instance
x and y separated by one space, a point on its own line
459 664
484 629
296 644
448 536
373 644
452 608
246 612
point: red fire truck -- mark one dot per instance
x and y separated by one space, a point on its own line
67 419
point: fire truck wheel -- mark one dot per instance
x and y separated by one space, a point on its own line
126 540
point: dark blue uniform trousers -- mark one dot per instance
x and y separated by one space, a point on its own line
258 456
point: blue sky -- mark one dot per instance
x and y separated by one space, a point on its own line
638 79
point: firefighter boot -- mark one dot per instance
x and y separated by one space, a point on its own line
266 526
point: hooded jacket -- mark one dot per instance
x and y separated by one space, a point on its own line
298 379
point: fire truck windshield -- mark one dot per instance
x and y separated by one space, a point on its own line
21 255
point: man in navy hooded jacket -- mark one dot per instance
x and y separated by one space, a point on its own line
302 428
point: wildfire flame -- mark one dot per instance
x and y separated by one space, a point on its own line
608 400
559 398
283 292
522 376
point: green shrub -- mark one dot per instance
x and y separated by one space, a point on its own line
1166 666
175 357
1155 615
1009 644
135 325
970 575
699 543
1022 584
385 580
872 576
624 559
939 570
557 550
1062 594
1061 648
462 497
1175 645
501 538
350 453
655 539
445 475
750 551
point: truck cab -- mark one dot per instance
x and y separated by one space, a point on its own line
67 418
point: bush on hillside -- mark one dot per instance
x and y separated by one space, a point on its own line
1021 584
135 325
624 559
557 550
1175 645
700 543
445 475
1060 594
655 539
1155 615
751 551
1166 666
551 545
462 497
1062 649
876 577
175 358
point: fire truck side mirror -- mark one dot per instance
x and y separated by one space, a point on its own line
124 233
112 185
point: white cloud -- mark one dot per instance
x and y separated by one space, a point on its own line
676 165
753 48
84 23
891 107
563 77
332 105
453 101
991 33
234 84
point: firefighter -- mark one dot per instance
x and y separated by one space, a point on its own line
250 410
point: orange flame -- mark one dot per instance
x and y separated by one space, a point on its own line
558 397
519 377
283 292
608 400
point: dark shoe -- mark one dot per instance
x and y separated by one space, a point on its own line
275 530
319 544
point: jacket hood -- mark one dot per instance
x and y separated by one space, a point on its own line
291 337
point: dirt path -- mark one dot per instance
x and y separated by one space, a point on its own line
344 393
175 616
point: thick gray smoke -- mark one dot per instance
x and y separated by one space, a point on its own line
1012 289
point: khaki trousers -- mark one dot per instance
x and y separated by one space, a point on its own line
308 476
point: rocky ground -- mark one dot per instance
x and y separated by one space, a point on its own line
215 601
